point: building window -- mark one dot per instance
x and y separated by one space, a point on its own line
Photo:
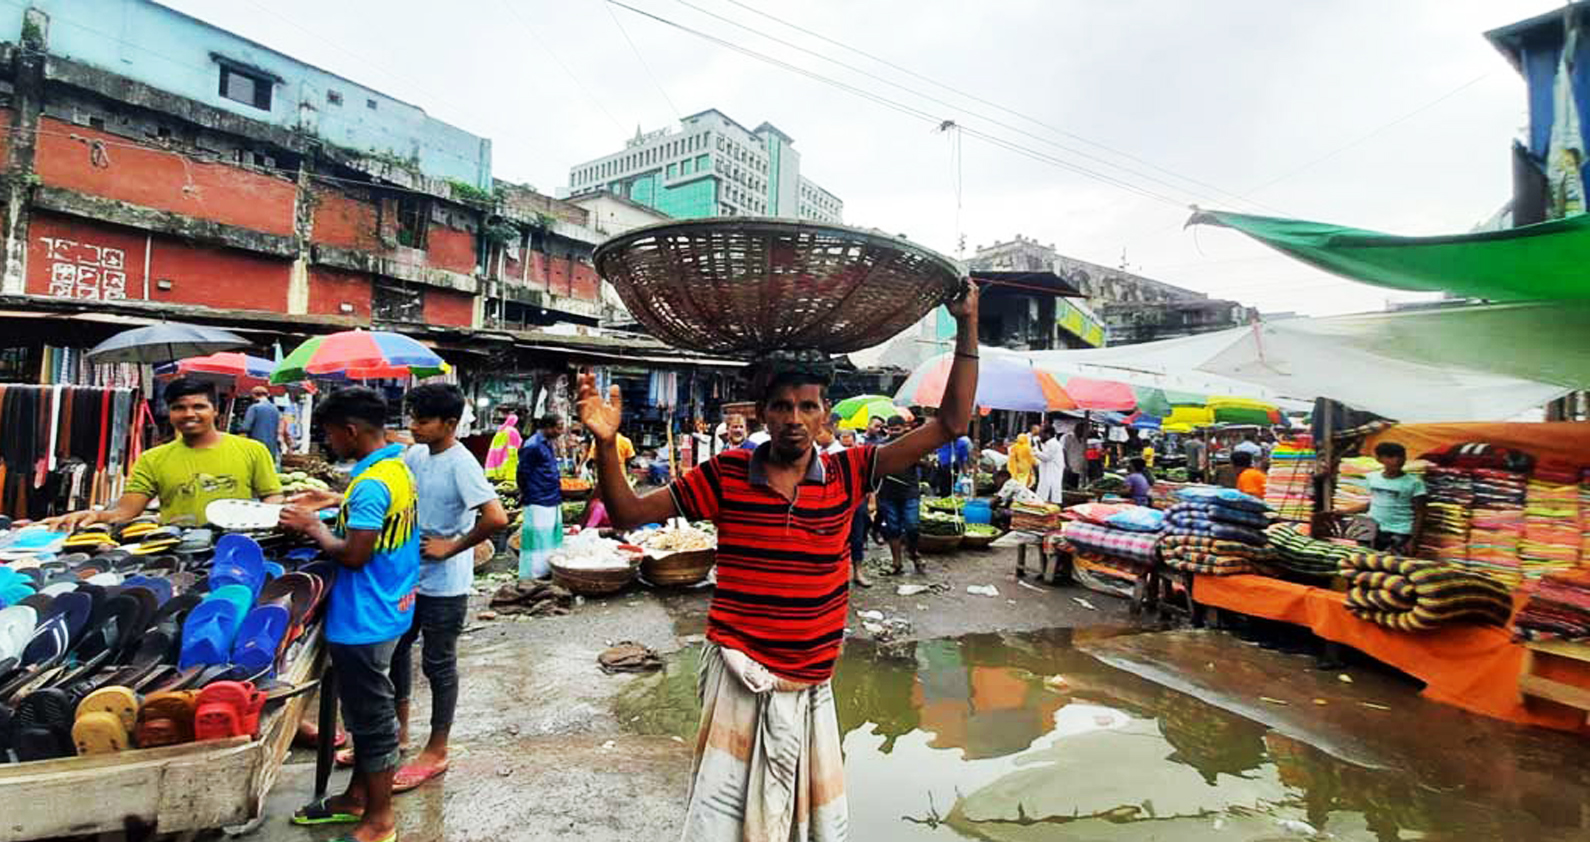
701 163
673 170
413 221
394 301
334 97
687 166
247 88
370 104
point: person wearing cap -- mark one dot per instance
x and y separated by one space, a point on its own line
262 422
186 475
768 762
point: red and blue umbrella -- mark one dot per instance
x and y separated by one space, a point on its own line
358 355
1004 381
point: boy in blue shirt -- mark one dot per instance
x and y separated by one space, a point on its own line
376 545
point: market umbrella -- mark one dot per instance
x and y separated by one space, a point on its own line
1152 401
1091 393
1230 410
358 355
241 371
164 342
854 413
1004 381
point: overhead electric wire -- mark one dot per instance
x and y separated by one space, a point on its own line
975 98
534 33
962 109
642 59
903 108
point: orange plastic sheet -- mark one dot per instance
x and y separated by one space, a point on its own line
1564 441
1472 667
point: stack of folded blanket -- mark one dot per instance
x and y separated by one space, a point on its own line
1494 534
1450 485
1213 556
1552 529
1352 481
1301 555
1584 515
1105 540
1446 532
1235 517
1411 594
1289 487
1558 608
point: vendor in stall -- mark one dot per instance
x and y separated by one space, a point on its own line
202 465
1396 502
778 613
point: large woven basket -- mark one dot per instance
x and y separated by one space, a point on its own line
939 543
593 582
746 285
680 569
978 542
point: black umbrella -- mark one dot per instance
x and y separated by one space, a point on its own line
164 342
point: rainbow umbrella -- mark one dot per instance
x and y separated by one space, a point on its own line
855 413
1232 410
358 355
1092 394
1004 381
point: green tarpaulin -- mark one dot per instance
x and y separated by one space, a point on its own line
1549 261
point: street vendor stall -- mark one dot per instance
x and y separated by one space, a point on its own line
164 670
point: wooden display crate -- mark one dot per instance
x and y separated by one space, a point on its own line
1534 686
195 786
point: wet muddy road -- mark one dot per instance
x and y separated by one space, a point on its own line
1032 715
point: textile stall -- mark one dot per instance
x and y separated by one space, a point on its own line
67 447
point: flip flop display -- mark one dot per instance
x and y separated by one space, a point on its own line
86 629
211 627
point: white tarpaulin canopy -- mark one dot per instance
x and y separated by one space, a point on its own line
1481 363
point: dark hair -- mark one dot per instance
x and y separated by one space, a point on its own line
793 377
893 420
1391 449
1139 465
353 404
1242 459
185 386
436 400
548 421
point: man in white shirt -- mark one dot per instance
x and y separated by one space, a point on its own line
1051 466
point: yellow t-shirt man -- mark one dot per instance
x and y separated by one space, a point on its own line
186 479
626 450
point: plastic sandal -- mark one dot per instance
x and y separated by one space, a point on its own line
208 633
97 732
240 561
317 812
166 718
414 776
261 636
117 701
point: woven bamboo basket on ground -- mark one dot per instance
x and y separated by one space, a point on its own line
593 582
675 570
939 543
747 285
979 542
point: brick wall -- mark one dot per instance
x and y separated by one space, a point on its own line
346 221
67 156
69 257
450 248
329 288
454 309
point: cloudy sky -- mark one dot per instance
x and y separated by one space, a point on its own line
1394 116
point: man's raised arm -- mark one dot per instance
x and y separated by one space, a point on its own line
601 417
955 408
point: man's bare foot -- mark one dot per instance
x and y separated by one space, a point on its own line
861 579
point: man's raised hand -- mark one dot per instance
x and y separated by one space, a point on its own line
601 417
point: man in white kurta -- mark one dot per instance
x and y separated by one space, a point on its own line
1050 454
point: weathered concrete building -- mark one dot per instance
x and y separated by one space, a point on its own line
1132 308
156 165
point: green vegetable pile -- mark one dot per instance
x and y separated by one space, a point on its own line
296 481
508 493
1109 483
943 504
982 530
942 523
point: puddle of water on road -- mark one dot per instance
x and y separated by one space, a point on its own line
973 737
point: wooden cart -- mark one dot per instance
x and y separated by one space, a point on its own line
190 787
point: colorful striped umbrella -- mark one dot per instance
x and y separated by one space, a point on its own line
855 413
1231 410
358 355
1091 394
1152 401
1004 381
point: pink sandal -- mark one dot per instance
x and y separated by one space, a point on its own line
413 776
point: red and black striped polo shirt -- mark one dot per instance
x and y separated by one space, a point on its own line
783 565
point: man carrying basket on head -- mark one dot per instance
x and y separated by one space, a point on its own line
767 758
